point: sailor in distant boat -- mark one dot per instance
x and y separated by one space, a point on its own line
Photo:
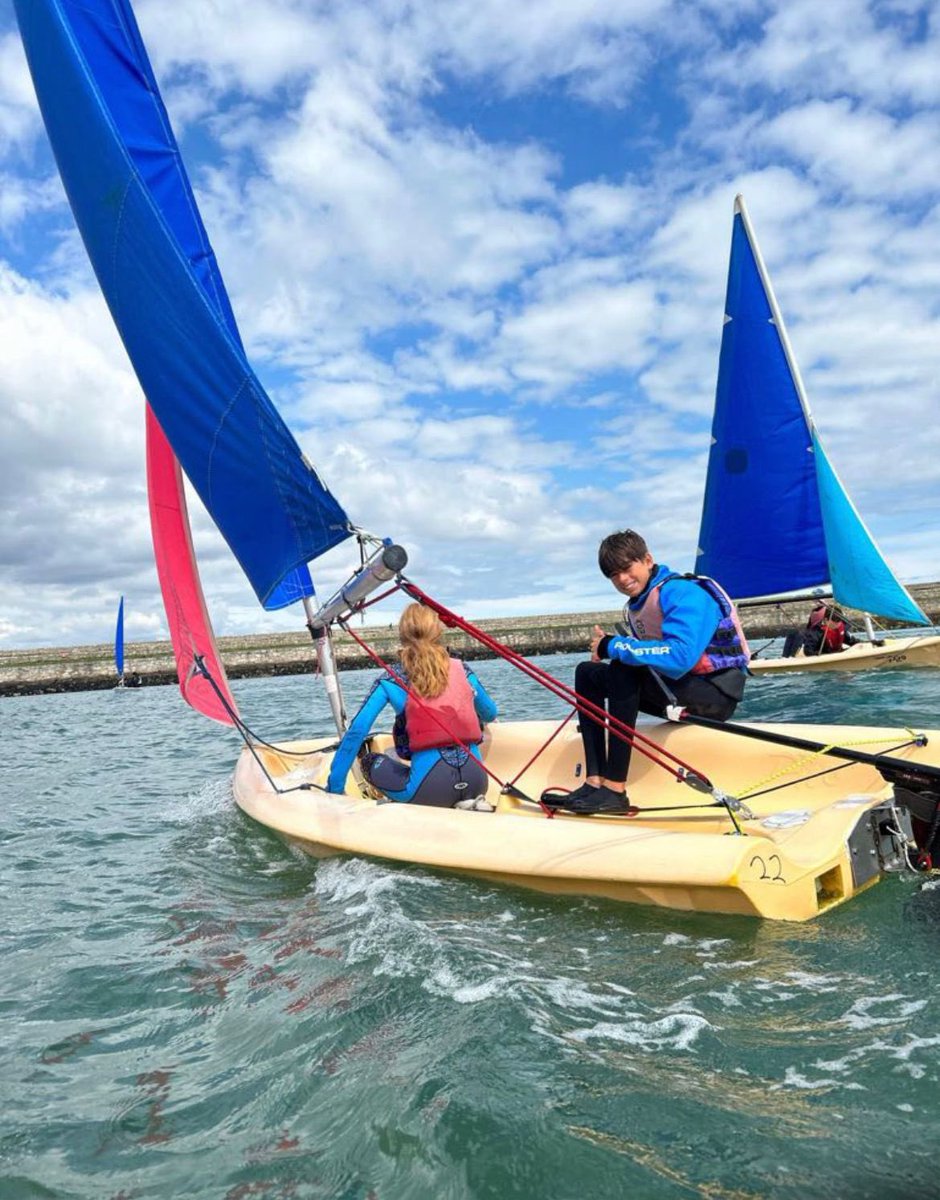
826 633
836 635
684 645
438 724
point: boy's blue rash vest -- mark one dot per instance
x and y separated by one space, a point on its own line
386 692
691 617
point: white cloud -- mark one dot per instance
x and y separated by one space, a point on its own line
859 47
864 152
19 116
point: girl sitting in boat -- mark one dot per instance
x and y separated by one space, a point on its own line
833 636
825 633
441 715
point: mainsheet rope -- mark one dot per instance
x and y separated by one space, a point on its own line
681 771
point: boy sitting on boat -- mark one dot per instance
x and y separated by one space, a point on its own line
440 706
683 645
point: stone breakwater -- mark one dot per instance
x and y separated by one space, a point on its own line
84 668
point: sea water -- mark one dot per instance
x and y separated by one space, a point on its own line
192 1009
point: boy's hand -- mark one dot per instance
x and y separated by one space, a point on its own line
595 642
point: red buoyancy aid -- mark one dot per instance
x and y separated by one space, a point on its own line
454 716
727 647
833 636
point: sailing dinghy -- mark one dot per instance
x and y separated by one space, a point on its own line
777 523
775 821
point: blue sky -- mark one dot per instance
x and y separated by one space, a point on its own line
477 253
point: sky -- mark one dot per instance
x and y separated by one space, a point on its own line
477 253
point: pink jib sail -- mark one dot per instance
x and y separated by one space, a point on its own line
190 628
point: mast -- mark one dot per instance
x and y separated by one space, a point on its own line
741 207
387 562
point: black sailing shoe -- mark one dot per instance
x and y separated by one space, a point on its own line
556 797
599 800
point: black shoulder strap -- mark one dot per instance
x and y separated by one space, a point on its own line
706 582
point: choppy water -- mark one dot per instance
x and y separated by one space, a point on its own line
191 1009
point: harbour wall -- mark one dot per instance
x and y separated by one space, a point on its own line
85 668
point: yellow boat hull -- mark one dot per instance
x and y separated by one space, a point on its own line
896 652
807 847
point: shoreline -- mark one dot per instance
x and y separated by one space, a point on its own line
88 668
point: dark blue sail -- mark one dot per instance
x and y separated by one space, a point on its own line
135 209
762 527
119 640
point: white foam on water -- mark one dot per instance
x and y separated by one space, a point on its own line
455 958
678 1031
789 984
844 1064
903 1055
357 880
727 998
860 1016
702 946
815 982
773 986
874 1051
914 1043
214 796
619 987
794 1079
565 993
443 981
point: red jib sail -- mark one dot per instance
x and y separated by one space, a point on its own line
188 619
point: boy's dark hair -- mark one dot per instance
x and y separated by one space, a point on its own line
618 550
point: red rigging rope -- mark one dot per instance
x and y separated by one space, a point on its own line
544 746
626 733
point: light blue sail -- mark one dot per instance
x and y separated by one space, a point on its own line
137 215
776 519
119 641
860 576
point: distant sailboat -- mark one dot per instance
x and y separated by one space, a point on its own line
119 644
777 523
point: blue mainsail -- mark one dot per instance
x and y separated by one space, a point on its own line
119 640
776 519
135 209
